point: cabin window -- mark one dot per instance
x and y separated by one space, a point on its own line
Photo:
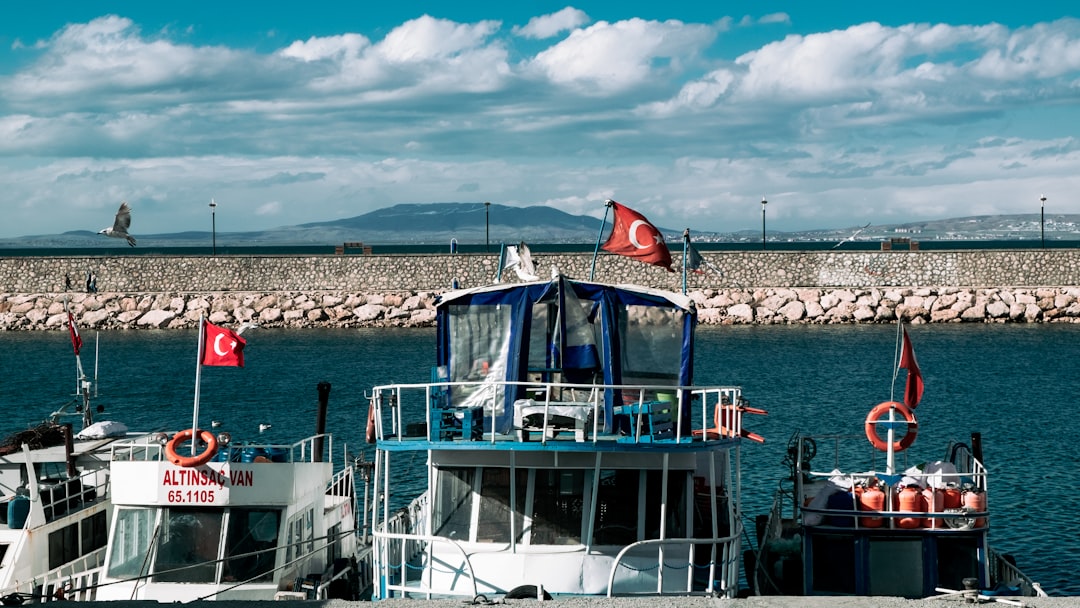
251 544
452 510
616 508
95 533
134 530
493 525
557 507
651 346
676 504
479 351
63 545
189 546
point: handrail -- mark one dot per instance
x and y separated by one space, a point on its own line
404 536
727 541
718 409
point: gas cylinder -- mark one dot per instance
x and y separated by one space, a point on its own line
935 503
976 501
911 500
871 499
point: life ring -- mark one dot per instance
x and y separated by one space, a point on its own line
198 459
881 411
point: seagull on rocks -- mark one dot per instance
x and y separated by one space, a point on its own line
119 229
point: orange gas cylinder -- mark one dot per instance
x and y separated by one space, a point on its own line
911 500
935 503
952 498
976 501
871 499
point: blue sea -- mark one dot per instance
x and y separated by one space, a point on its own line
1016 384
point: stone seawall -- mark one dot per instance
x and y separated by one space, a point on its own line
763 287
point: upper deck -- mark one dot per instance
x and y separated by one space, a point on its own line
551 416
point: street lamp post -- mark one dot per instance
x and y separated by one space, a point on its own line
1042 221
487 226
213 226
763 203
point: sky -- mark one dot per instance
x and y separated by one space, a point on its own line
837 113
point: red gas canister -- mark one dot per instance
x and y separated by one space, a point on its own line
976 501
871 499
935 503
911 500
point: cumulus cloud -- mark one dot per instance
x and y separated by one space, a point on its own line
561 111
609 58
547 26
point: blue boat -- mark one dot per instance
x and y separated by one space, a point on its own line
568 451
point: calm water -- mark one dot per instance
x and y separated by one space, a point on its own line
1016 384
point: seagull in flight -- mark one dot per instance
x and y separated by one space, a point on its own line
852 237
120 225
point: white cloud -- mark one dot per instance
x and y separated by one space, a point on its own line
547 26
608 58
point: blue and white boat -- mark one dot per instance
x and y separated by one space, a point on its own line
864 514
561 447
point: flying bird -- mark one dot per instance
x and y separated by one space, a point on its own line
263 426
852 237
120 225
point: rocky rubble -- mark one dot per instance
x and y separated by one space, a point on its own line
767 306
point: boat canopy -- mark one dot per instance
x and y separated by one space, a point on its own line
566 331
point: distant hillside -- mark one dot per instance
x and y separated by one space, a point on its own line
438 223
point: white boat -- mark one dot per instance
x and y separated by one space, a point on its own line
54 501
231 520
890 523
567 451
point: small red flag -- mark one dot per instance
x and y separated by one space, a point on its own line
76 339
913 390
223 347
635 237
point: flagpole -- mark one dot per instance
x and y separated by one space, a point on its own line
596 252
685 253
890 453
198 382
502 260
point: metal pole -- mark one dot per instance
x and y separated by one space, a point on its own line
1042 221
213 227
487 226
763 203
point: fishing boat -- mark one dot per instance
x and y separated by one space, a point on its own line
891 523
54 498
199 515
559 447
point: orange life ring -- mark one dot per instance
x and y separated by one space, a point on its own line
198 459
880 411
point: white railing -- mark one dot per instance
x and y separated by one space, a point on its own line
152 449
646 413
727 560
74 581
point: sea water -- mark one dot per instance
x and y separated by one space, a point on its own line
1016 384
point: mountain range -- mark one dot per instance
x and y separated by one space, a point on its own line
439 223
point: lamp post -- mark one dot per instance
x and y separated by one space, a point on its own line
487 226
1042 221
213 226
763 203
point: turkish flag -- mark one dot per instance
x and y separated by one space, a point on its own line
913 390
635 237
223 347
76 339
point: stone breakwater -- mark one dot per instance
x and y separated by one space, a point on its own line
417 309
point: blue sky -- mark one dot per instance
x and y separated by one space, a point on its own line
840 113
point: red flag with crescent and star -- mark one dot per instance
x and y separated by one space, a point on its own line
913 389
635 237
222 346
76 339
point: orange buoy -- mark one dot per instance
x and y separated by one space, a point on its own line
871 499
911 500
935 503
371 422
880 415
976 501
198 459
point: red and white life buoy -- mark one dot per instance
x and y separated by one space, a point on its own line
879 414
196 460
